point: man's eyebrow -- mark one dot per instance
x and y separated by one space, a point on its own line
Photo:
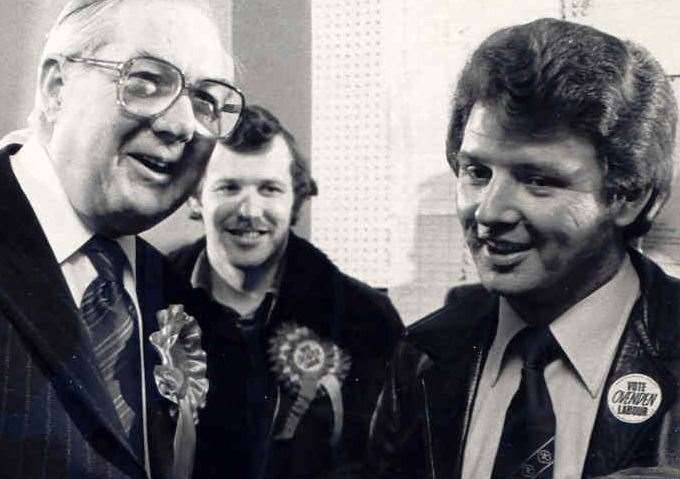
527 166
142 52
540 167
462 155
146 53
275 181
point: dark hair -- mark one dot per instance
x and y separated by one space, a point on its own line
255 131
551 73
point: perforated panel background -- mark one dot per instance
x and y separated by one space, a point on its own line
350 146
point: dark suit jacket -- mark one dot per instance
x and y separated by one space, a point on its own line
247 406
56 417
423 415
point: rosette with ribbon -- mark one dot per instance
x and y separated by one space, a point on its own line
308 366
181 378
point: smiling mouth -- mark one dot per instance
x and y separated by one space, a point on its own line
500 247
247 234
153 163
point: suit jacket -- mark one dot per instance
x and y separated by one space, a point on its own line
422 418
247 405
56 417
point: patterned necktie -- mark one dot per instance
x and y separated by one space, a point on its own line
111 320
527 446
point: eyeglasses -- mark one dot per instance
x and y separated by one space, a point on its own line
148 87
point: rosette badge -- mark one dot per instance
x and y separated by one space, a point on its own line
181 378
308 366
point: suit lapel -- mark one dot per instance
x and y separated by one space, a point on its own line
448 388
150 294
39 305
616 444
450 382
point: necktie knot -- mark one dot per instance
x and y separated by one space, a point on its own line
107 257
537 347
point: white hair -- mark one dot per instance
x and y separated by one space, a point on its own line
82 27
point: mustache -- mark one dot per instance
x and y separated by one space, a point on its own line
247 223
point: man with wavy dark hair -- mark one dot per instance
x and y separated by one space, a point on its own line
296 349
561 363
260 127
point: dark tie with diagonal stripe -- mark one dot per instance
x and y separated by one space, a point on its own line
111 320
527 446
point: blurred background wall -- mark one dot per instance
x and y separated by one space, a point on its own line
365 86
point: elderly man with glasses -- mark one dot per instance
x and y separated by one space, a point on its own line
125 118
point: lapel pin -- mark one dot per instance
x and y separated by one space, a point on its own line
634 398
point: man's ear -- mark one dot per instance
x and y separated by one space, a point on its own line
51 88
195 208
629 206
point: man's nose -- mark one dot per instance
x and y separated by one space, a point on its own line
178 123
250 205
498 203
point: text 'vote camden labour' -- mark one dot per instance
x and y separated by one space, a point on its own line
634 398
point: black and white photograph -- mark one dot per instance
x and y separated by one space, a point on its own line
340 239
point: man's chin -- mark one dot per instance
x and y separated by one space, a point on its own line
240 259
248 264
509 284
130 220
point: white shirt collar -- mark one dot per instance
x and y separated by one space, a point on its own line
588 332
200 274
65 231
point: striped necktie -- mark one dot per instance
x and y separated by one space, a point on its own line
111 321
527 446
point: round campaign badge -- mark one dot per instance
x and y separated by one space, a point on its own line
634 398
309 356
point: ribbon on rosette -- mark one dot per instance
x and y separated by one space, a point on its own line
181 378
308 366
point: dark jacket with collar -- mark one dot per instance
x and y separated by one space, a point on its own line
423 415
246 404
57 419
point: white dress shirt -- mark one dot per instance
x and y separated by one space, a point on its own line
66 233
589 333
